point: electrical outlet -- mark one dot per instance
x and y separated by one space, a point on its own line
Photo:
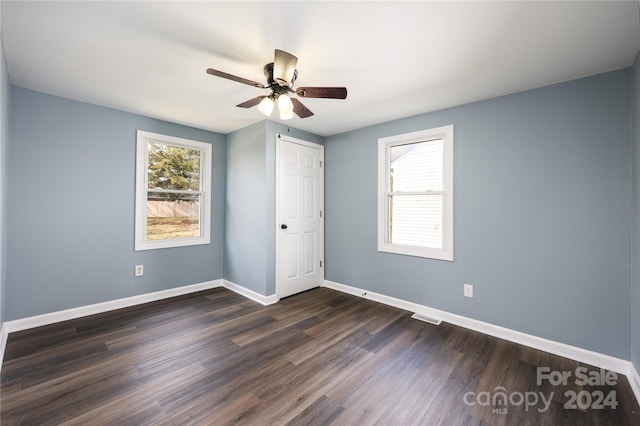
139 270
468 290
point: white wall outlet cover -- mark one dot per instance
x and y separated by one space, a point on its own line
468 290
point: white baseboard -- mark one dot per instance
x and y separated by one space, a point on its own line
82 311
250 294
582 355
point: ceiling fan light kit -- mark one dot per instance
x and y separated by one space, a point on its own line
281 74
266 105
285 106
286 115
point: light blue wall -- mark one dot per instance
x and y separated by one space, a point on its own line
635 280
250 207
542 214
4 144
244 260
71 208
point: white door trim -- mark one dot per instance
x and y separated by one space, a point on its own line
280 139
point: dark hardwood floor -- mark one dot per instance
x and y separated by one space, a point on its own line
320 357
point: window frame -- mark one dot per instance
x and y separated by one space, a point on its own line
384 144
142 178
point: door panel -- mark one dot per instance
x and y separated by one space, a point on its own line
291 192
292 256
309 252
309 196
300 246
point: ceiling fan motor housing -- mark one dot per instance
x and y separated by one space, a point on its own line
268 72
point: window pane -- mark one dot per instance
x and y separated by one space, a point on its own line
173 167
171 215
416 167
416 220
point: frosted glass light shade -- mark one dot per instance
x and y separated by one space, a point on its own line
286 115
266 106
284 104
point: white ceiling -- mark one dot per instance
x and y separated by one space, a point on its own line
397 59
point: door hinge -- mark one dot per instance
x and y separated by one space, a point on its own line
320 213
321 164
321 263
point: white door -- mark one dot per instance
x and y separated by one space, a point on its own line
300 225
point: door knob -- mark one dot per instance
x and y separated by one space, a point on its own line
283 226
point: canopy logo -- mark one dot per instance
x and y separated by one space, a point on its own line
501 401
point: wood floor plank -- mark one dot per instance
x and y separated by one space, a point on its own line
265 330
402 362
233 412
322 412
139 399
45 367
232 373
317 358
329 332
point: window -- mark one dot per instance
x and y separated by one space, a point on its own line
172 192
415 193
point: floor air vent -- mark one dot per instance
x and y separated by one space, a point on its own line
426 319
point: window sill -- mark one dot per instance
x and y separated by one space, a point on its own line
160 244
426 253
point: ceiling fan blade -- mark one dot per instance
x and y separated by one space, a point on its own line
251 102
322 92
300 110
284 67
235 78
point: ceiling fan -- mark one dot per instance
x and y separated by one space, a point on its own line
281 74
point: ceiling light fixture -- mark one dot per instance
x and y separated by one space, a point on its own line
285 106
286 115
281 74
266 105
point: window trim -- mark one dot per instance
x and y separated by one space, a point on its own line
142 164
446 134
